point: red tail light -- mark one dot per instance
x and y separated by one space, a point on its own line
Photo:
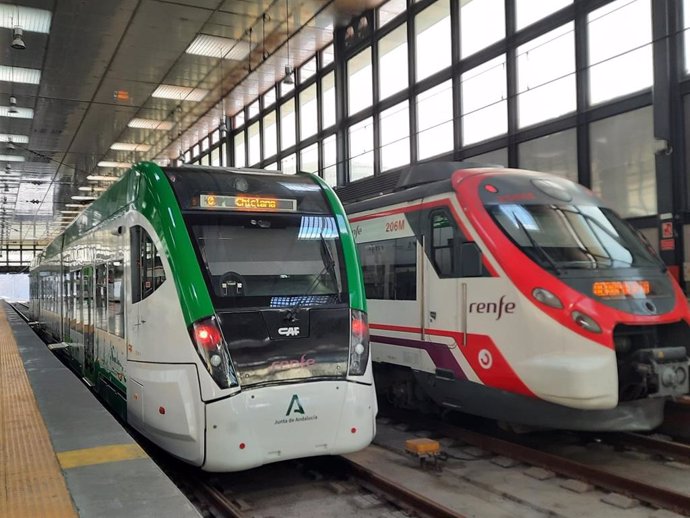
207 336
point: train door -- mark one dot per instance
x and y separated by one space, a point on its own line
147 276
89 318
452 263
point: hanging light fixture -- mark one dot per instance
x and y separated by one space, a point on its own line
17 38
13 105
288 79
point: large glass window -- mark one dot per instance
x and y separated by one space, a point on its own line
287 124
623 169
556 153
546 70
308 112
389 268
433 42
393 62
215 156
310 159
270 135
307 70
620 64
390 10
269 97
359 82
395 136
288 165
435 121
328 100
498 157
686 33
330 161
240 159
484 105
528 11
254 134
361 149
482 22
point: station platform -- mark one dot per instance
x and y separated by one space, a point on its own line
62 454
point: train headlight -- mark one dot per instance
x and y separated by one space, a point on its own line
359 344
546 297
212 349
586 322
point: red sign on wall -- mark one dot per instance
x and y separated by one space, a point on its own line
667 230
667 244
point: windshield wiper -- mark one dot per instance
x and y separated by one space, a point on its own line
329 266
538 247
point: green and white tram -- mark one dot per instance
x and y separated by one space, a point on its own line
221 312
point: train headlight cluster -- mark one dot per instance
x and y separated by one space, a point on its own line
213 350
359 344
548 298
585 322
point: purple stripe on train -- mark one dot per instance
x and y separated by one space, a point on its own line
440 353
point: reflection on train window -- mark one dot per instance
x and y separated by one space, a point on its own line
442 234
100 320
147 266
116 316
76 295
87 286
390 268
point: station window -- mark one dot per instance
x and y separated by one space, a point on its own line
269 97
270 135
240 159
546 70
147 266
328 100
287 125
361 149
395 136
389 268
254 136
288 165
309 158
528 11
393 62
555 153
330 174
307 70
484 97
432 33
623 64
390 10
482 22
359 82
435 121
308 113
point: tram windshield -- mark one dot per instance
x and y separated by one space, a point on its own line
271 260
574 236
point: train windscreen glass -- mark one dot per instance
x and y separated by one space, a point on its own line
271 260
573 236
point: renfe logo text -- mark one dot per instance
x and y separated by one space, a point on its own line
494 308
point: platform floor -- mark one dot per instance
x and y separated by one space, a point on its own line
61 453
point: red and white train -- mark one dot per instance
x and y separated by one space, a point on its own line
519 296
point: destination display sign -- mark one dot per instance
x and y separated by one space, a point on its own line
247 202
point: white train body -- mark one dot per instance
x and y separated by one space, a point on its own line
487 319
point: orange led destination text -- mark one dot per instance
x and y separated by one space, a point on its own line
611 289
253 202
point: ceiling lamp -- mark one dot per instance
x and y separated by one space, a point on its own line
13 105
288 79
83 198
18 41
121 165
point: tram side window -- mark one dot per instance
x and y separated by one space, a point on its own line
389 268
101 305
147 265
116 315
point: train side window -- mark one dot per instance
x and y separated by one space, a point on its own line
389 268
101 305
116 315
443 237
147 265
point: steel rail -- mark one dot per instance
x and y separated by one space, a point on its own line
216 499
411 499
655 495
662 446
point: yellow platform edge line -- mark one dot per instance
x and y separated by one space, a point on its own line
100 455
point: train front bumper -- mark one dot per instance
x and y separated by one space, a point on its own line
270 424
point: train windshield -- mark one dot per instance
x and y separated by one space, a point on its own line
271 260
573 236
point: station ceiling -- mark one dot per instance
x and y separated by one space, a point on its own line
89 73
